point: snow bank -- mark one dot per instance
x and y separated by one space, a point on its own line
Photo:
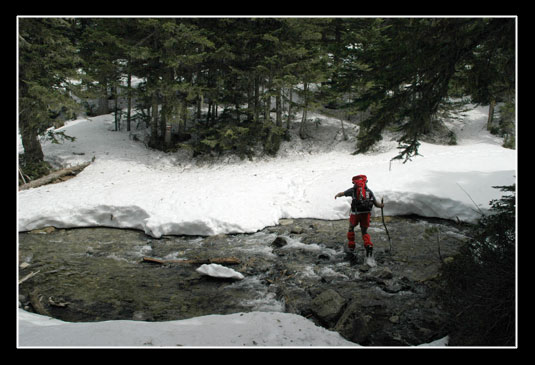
266 329
239 329
130 186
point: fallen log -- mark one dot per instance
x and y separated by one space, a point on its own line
54 176
219 260
29 276
35 300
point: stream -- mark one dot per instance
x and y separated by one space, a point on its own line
298 266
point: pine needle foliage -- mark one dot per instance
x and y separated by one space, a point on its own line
480 282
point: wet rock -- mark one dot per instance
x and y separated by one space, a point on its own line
324 257
383 273
286 222
279 242
296 300
363 319
328 305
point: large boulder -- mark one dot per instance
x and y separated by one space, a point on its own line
328 305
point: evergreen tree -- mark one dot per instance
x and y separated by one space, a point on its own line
479 284
310 63
341 39
100 50
47 67
410 64
398 71
488 75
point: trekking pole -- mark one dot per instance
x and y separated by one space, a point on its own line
384 224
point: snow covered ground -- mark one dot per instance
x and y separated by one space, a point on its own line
271 329
130 186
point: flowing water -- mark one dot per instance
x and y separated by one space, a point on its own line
95 274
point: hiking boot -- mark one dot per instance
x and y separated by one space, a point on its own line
369 251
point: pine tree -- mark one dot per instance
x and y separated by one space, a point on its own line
47 67
479 284
100 49
489 73
410 65
342 41
309 66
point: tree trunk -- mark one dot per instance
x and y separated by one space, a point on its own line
251 105
289 109
31 144
209 117
257 98
116 108
183 124
491 114
164 119
54 176
267 104
278 107
302 128
235 98
154 120
129 109
199 106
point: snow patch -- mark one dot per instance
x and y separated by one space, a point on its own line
219 271
239 329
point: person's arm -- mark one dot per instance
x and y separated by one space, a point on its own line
339 195
343 193
377 204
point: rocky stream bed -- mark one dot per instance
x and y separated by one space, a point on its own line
298 266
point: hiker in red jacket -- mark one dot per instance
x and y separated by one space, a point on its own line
361 207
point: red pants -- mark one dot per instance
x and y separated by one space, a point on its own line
354 220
